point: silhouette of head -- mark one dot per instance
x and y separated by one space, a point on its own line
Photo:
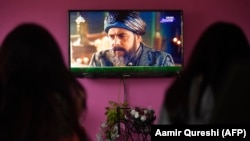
39 99
219 45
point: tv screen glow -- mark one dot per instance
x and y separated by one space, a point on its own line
163 33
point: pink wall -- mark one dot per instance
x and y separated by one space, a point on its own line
142 92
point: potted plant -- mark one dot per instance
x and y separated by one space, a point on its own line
124 122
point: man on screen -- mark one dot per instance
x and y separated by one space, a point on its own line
125 30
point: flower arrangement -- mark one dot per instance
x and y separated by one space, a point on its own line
123 121
141 118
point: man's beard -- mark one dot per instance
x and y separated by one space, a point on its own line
118 56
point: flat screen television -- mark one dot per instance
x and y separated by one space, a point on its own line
92 52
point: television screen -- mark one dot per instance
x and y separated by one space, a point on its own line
121 43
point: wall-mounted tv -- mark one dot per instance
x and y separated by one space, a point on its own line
122 43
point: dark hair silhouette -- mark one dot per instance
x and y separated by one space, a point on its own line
218 46
232 104
39 98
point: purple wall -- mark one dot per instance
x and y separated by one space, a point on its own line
142 92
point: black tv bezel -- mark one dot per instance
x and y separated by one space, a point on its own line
127 71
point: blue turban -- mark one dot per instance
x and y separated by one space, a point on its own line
125 19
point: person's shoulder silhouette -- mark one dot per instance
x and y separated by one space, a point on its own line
39 98
232 104
190 99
